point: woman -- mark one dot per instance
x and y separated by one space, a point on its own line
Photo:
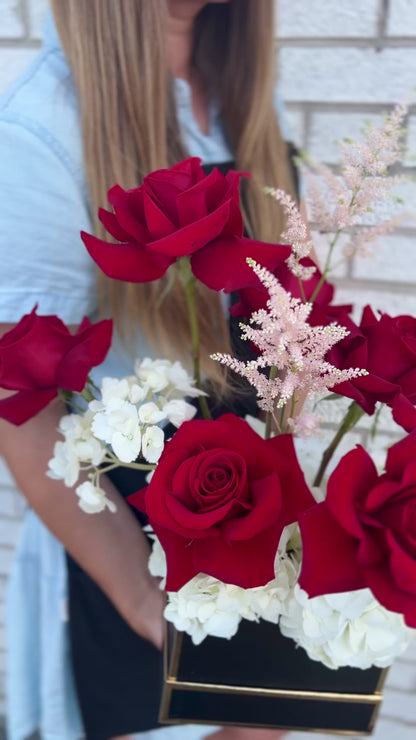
137 86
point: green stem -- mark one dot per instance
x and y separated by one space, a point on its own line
268 427
353 415
92 384
188 282
115 462
87 395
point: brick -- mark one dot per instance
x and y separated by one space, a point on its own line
379 446
329 128
6 558
402 18
37 13
12 503
346 74
297 18
385 424
9 532
12 62
406 191
400 706
402 676
11 19
394 260
295 124
380 299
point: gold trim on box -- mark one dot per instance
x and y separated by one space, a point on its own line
165 719
220 688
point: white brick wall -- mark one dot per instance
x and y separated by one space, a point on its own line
341 64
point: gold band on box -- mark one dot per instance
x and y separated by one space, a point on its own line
260 679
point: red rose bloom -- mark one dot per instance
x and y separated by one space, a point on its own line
364 533
40 355
178 212
219 499
386 347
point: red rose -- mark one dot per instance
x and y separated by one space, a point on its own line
178 212
386 347
40 355
364 533
219 499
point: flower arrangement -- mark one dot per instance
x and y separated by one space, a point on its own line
241 526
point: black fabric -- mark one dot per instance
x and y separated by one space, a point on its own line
118 676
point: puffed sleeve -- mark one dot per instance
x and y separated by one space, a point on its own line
42 210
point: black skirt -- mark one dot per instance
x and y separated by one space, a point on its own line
118 675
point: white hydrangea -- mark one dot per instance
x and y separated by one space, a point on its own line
92 499
166 376
118 425
347 629
206 606
80 446
152 373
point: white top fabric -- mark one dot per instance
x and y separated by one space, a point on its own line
43 207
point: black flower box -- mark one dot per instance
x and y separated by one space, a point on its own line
260 678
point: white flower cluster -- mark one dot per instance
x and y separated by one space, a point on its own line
128 416
347 629
206 606
126 423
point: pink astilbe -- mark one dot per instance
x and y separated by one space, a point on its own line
288 345
341 201
359 244
296 234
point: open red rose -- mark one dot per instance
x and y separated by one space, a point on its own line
219 500
40 355
364 533
384 346
178 212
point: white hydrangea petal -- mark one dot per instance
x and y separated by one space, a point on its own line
177 411
223 624
64 465
137 393
126 446
92 499
114 389
101 427
149 413
157 560
153 443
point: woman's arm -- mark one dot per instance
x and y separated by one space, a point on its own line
111 548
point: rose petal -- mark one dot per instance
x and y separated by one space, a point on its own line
128 262
23 405
329 562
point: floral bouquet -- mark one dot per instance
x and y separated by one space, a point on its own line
245 522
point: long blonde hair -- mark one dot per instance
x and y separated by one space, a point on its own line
116 49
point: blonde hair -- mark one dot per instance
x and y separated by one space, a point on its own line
116 49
